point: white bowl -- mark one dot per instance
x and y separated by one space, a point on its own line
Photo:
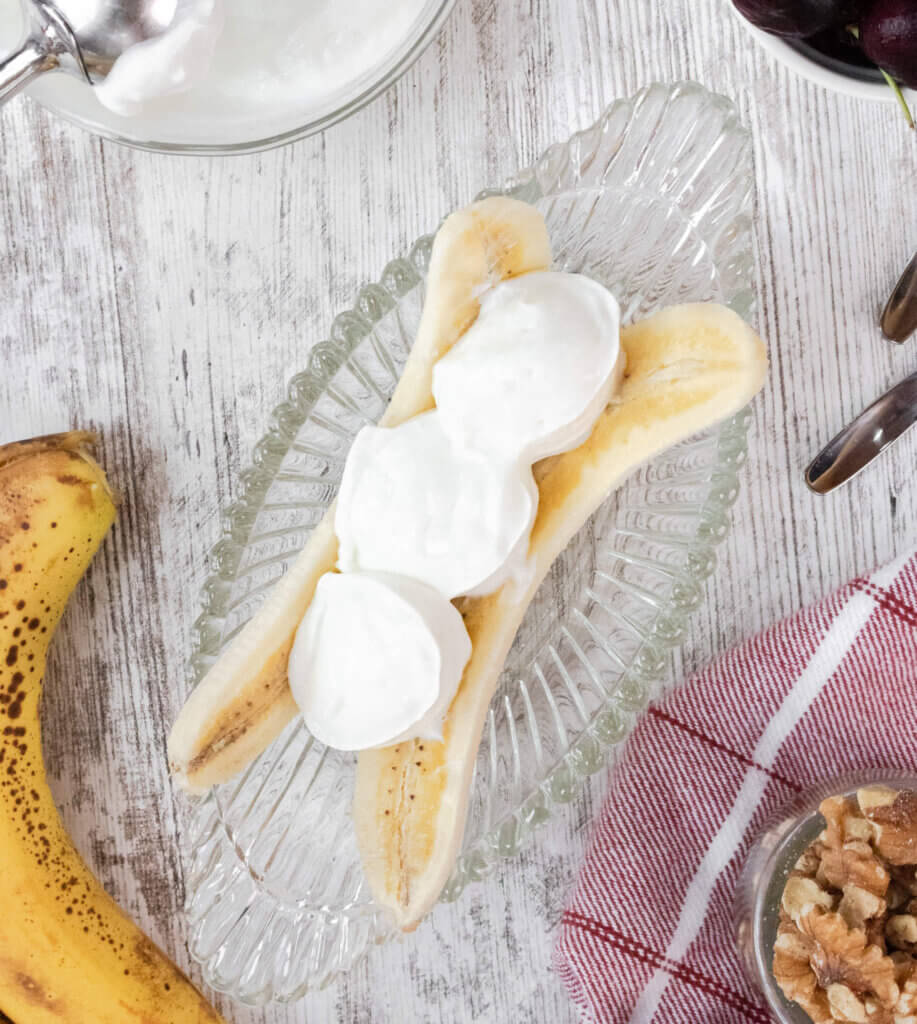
798 56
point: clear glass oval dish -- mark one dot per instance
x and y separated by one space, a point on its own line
236 124
654 201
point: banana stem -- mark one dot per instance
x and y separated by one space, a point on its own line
72 440
76 441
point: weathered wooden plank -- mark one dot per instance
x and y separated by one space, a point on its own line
165 301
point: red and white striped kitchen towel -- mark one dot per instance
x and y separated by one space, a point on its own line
648 935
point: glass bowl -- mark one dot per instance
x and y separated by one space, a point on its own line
166 131
770 861
655 201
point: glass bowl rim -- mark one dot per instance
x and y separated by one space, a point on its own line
371 92
368 304
784 832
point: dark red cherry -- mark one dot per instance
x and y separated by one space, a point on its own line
798 18
888 32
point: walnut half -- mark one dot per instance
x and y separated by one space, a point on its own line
894 820
846 947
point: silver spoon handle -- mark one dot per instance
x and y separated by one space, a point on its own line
49 44
862 440
29 61
899 320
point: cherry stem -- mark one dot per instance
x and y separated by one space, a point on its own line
896 89
892 84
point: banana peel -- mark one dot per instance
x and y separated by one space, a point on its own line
68 953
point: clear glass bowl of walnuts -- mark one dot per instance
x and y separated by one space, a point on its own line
827 904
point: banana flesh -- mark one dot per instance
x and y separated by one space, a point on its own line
687 367
244 701
68 953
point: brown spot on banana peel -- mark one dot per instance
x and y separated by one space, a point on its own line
69 478
147 963
32 992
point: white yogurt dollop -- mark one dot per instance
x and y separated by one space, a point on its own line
443 505
412 502
532 374
377 659
171 63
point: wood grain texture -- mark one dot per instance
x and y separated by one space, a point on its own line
165 301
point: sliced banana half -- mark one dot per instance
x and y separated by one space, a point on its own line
687 367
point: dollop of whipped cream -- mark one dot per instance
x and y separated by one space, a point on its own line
377 659
412 501
531 375
169 63
443 505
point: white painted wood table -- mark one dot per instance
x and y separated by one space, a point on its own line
165 301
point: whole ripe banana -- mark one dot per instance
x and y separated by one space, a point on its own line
68 953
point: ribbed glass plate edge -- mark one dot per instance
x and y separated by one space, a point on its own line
610 725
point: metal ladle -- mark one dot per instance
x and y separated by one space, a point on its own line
81 37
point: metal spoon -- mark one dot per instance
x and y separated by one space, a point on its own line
899 320
81 37
862 440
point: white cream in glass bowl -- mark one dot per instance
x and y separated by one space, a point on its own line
279 70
